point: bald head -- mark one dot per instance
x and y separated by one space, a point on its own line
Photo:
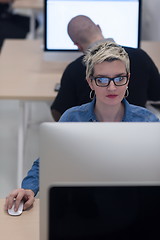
83 31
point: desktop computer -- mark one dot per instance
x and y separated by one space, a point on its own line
99 180
118 19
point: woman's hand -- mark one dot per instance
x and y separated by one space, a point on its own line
20 194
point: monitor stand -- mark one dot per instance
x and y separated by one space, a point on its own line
61 56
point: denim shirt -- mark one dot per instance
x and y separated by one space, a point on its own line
85 113
31 181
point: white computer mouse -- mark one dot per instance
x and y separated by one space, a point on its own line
12 212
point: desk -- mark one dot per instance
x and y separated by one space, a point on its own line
23 227
34 6
24 75
153 50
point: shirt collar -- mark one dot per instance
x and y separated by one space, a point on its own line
92 116
100 41
127 110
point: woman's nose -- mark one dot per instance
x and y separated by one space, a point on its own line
111 86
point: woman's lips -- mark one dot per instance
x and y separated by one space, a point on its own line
112 96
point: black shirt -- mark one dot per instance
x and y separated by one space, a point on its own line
144 82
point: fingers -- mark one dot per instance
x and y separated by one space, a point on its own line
29 202
17 196
10 199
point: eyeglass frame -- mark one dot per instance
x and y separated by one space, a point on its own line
110 79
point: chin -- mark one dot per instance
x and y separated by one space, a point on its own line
113 102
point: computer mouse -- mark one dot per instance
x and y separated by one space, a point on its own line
12 212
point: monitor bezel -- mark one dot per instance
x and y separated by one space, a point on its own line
77 50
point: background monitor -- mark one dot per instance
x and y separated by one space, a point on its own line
118 19
96 155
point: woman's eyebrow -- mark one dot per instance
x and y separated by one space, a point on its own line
116 75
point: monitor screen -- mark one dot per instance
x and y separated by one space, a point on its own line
104 212
118 19
96 155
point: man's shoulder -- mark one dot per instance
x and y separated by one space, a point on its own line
137 51
78 61
75 68
138 55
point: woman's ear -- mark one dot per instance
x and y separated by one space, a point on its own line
129 76
89 80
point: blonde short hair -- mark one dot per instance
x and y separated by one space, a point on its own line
105 51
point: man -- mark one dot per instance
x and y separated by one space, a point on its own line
144 81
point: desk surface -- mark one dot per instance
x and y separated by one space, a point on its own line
28 4
23 227
153 50
24 74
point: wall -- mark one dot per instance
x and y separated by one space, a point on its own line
150 20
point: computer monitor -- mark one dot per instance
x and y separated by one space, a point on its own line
118 19
96 155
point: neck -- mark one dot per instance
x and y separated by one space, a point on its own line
92 42
109 113
95 41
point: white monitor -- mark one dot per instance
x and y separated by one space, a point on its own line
118 19
96 154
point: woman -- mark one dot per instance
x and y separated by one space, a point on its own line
107 73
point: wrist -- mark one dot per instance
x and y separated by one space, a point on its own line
30 190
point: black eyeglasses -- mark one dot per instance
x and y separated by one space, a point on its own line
105 81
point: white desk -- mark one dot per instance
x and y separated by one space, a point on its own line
25 76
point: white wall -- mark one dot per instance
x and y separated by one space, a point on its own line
150 20
9 119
